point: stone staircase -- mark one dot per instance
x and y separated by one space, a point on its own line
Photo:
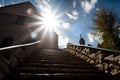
51 64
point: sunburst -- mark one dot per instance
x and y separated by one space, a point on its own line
50 20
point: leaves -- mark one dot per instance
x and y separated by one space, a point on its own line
105 21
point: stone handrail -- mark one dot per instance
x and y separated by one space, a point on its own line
13 55
99 57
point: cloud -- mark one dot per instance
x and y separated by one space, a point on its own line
63 40
66 25
74 4
96 36
74 15
71 16
1 5
88 5
43 5
97 9
90 37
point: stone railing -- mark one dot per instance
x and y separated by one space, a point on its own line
13 55
105 59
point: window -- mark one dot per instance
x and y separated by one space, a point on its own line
20 20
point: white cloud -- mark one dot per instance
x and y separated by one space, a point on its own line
97 9
88 5
66 25
63 40
74 15
43 5
74 4
90 37
1 5
71 16
98 37
48 0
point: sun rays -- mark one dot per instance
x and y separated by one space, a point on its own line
50 20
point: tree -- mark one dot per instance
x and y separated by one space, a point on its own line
106 22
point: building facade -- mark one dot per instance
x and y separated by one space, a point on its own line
19 21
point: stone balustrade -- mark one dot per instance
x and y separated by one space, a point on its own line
105 59
13 55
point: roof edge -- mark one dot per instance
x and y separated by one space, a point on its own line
18 4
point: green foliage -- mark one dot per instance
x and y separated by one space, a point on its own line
106 21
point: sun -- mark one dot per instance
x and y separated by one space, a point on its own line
49 20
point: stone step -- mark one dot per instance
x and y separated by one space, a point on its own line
55 58
57 70
47 61
55 65
56 76
62 76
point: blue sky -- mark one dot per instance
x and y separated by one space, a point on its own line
75 16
